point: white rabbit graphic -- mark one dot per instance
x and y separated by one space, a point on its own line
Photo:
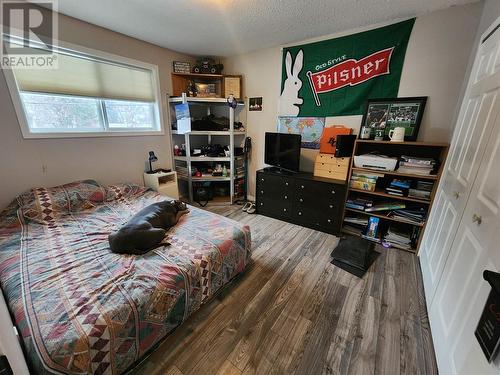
289 100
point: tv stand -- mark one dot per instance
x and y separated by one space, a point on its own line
301 198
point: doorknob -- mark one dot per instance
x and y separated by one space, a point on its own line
477 219
456 194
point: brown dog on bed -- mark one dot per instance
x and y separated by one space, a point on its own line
146 229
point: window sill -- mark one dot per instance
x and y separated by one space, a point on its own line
30 135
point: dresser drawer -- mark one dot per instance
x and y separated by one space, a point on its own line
317 219
337 174
331 159
318 187
277 208
320 207
317 191
270 193
273 183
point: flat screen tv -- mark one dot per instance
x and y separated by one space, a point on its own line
283 151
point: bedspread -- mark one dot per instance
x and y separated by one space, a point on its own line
82 309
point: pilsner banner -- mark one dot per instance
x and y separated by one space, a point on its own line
337 76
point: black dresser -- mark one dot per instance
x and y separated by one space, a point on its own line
302 199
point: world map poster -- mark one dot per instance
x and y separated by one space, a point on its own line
310 128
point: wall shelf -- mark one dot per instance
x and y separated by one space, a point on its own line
195 139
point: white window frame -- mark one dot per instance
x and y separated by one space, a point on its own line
64 46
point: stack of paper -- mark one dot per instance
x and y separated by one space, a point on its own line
398 238
415 165
422 191
415 215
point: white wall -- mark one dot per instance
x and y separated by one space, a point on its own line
108 160
435 65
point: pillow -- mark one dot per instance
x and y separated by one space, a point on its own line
41 203
118 191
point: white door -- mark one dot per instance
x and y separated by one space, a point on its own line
479 110
462 292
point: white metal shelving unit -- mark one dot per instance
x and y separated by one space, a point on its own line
211 105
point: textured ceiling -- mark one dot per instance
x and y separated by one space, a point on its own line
230 27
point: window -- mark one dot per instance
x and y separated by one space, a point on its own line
87 95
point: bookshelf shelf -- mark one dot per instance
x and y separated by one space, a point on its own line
435 150
414 144
385 217
376 240
395 173
382 194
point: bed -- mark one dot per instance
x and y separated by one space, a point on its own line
81 309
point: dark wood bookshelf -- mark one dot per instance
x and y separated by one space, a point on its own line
436 150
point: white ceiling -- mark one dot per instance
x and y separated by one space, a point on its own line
230 27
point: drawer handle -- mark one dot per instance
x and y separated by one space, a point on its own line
261 203
286 196
331 206
329 221
262 191
284 209
301 200
262 179
302 186
300 213
286 183
477 219
333 191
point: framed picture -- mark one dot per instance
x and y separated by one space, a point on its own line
232 85
255 104
182 67
388 114
206 90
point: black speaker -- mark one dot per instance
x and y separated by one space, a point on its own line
344 145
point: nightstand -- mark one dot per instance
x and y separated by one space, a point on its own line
164 183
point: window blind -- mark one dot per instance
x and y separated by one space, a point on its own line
89 76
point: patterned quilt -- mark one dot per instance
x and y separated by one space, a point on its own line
82 309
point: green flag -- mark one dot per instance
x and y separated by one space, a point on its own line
337 76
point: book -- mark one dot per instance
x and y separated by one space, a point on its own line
411 215
372 229
355 206
385 206
404 184
425 185
419 194
363 179
417 171
363 201
395 194
417 160
361 185
361 221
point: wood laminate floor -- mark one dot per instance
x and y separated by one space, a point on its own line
293 312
